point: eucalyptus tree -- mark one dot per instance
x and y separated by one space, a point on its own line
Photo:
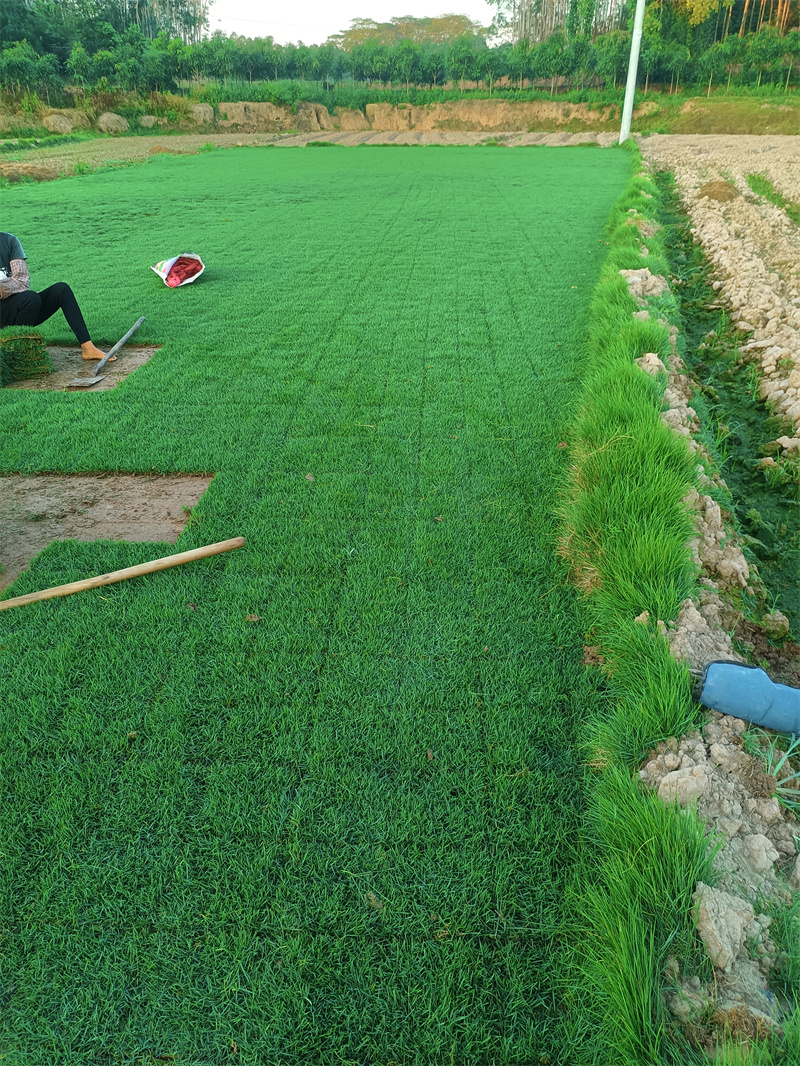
611 52
535 20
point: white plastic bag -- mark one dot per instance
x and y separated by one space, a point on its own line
180 269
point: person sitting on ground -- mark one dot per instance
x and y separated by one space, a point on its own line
20 306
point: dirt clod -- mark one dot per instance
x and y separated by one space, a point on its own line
735 797
721 191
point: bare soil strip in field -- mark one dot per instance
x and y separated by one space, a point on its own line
775 156
68 364
35 511
107 151
752 244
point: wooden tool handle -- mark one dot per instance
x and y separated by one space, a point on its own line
117 346
123 575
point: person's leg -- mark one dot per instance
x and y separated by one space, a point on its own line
61 296
20 309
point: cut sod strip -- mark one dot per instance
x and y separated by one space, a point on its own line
317 800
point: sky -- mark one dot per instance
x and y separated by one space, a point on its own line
313 21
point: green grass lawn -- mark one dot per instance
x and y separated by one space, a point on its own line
341 833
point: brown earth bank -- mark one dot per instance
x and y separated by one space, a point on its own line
489 116
698 115
466 115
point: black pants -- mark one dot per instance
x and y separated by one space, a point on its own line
33 308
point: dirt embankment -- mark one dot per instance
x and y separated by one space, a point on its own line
477 116
62 120
662 114
487 116
699 115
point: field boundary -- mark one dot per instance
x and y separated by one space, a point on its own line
625 534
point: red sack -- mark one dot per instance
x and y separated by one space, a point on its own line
180 270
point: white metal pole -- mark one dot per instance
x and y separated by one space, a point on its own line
633 68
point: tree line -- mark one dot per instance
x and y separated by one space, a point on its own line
159 45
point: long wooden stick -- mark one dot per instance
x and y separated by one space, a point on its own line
123 575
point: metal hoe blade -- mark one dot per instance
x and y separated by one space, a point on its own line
85 383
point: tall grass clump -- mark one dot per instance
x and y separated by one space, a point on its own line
625 533
625 529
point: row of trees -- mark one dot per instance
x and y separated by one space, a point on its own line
55 26
535 20
678 46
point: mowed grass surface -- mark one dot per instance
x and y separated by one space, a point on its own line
342 832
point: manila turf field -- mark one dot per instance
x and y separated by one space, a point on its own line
318 800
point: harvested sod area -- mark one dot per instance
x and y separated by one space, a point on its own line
318 800
35 511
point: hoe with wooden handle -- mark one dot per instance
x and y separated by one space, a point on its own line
123 575
84 383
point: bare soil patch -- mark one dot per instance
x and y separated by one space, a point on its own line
451 137
15 172
160 149
35 511
68 364
704 157
721 191
783 660
107 151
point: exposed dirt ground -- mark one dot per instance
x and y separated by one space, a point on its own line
107 151
782 662
510 140
35 511
753 245
710 155
68 363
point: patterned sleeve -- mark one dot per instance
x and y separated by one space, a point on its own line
20 280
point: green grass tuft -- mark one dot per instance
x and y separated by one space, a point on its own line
762 186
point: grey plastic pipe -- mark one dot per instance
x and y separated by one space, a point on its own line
749 693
